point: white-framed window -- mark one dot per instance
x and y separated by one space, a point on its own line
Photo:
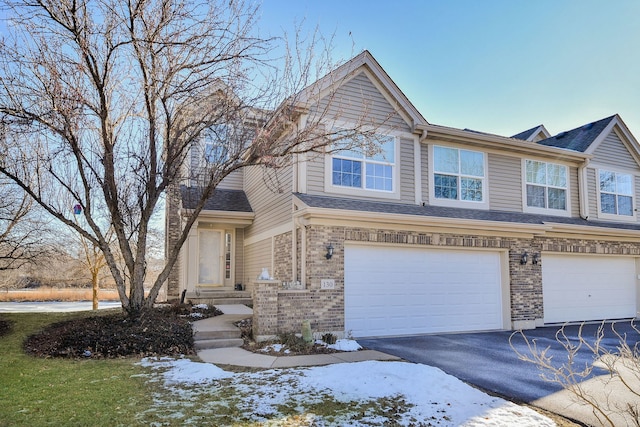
616 191
546 187
362 169
216 143
458 177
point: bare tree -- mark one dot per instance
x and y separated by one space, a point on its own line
22 232
103 99
613 399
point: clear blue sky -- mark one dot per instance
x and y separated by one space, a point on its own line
489 65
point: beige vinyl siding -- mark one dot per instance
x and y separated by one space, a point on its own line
316 179
256 257
424 166
358 101
592 190
271 208
315 175
239 256
612 151
505 183
233 181
407 171
574 203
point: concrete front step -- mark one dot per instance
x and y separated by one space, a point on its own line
220 297
218 343
213 334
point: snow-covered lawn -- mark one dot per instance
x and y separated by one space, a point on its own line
348 394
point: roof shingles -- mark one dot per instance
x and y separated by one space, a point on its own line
578 139
221 200
446 212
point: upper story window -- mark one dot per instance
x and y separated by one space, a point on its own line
546 186
358 169
458 175
616 193
216 142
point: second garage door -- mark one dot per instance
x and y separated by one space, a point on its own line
587 287
402 291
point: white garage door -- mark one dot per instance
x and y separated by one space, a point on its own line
401 291
578 288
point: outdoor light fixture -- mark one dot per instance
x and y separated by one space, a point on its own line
535 259
329 251
524 258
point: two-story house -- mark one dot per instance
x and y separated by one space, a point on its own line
442 230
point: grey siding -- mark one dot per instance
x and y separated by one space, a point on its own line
592 192
505 183
315 175
358 101
405 165
269 193
424 167
613 152
573 189
257 256
407 171
233 181
592 188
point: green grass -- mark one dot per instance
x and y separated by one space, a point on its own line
45 392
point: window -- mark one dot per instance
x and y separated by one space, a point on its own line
356 168
616 193
458 174
546 185
216 143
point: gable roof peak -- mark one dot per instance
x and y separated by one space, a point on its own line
580 138
535 133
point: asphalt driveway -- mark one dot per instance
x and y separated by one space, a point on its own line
487 360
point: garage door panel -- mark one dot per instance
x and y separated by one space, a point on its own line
580 288
399 291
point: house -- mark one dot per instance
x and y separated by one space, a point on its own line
445 230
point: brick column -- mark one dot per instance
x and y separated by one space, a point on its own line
265 309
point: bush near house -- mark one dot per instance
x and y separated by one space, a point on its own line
162 331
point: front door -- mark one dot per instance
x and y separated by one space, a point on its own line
211 257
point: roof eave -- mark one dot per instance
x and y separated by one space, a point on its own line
514 145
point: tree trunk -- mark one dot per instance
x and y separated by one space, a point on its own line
94 285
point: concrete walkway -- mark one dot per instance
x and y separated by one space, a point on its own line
237 356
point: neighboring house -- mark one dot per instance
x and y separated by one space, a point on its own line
446 230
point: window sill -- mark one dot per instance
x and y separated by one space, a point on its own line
546 211
617 218
459 204
372 194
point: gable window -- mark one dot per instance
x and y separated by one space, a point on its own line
546 185
616 193
216 143
459 175
358 169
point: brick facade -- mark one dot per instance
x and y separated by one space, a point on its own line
172 230
325 308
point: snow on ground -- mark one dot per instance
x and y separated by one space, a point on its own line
370 393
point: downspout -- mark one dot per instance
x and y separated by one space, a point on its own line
417 164
583 193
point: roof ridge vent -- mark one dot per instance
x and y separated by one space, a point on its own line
561 135
587 126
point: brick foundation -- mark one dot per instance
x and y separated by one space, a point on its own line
325 307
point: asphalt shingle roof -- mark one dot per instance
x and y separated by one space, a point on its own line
578 139
446 212
526 134
221 200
